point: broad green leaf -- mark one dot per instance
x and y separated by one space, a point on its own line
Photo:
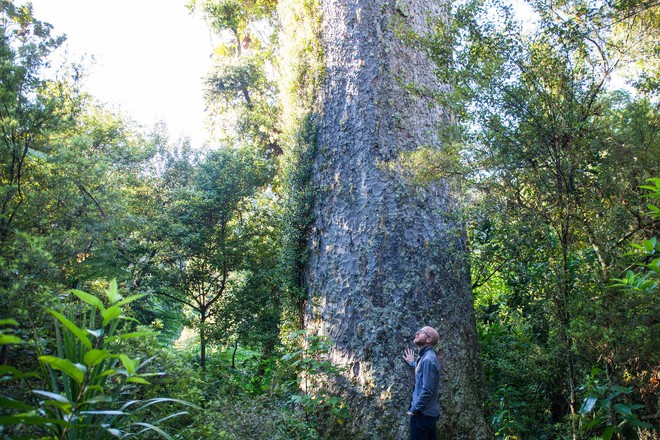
101 398
94 388
113 292
110 314
27 419
65 366
607 434
9 339
80 334
8 402
593 423
129 364
636 422
8 322
64 407
89 299
6 370
95 357
622 409
649 245
138 379
129 299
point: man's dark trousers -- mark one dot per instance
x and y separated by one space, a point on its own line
422 427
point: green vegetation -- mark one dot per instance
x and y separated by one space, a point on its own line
555 160
560 175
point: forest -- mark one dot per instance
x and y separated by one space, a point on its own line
487 168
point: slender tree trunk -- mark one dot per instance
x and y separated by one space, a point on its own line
386 257
202 345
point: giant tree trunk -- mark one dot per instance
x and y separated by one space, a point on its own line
386 257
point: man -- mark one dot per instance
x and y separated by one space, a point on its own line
424 408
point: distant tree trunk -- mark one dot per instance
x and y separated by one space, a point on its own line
202 343
386 257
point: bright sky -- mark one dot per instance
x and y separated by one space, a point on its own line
151 57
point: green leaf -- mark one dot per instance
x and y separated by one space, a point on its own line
107 373
636 422
9 339
6 370
101 398
89 299
29 419
110 314
138 379
95 357
8 402
80 334
622 409
130 299
608 432
65 407
113 292
129 364
98 388
8 322
649 245
65 366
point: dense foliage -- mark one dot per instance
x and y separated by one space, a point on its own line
555 134
556 159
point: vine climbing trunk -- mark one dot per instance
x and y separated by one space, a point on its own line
385 256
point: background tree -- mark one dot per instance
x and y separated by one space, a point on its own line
240 91
205 242
556 164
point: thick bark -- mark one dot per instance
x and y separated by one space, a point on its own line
386 257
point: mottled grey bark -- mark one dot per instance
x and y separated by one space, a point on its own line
386 257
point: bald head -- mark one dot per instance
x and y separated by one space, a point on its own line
432 334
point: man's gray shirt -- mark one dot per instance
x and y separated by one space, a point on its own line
427 384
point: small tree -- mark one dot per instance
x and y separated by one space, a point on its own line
205 243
